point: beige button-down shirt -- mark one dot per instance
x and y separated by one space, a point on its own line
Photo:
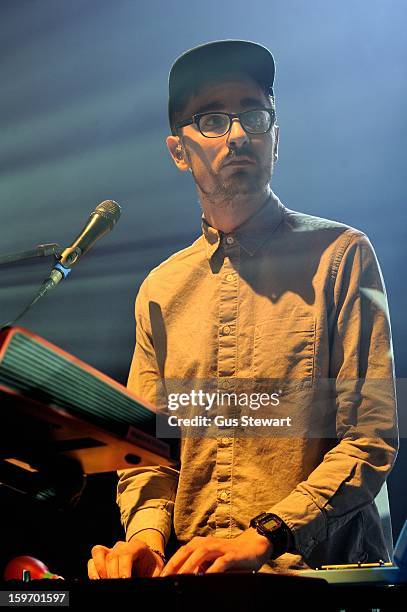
293 299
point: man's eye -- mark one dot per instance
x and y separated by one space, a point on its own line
212 121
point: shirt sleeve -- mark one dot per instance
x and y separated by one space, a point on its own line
362 370
146 495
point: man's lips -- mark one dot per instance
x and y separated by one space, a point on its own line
239 161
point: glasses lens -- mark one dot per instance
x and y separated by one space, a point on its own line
256 121
214 124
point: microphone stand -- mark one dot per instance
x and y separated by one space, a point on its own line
42 250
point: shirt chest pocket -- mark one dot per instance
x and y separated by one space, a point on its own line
284 351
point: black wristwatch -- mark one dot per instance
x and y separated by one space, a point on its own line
275 530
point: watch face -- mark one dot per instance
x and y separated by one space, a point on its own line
272 523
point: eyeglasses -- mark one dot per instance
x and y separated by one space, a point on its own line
214 125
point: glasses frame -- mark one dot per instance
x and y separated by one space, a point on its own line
195 120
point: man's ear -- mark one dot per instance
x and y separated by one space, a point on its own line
276 129
177 152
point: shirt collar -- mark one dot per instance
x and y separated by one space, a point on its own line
252 233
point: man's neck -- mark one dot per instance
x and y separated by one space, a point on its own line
229 214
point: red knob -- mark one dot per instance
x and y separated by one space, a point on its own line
38 570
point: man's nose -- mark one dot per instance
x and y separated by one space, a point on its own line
237 136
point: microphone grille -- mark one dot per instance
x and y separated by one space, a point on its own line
110 210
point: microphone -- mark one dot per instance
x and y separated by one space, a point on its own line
101 221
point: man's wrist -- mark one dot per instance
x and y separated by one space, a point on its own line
159 554
273 528
264 543
152 537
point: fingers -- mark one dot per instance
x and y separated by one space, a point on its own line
157 570
125 566
92 573
113 562
220 565
119 559
123 560
190 557
97 563
112 565
199 557
176 561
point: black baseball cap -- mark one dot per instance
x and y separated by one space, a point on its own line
191 69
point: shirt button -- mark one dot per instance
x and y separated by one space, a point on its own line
223 524
225 384
229 278
230 240
223 496
225 441
226 330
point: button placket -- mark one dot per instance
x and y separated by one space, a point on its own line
228 309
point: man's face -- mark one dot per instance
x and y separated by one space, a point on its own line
238 162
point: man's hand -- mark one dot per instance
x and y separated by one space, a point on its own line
248 551
124 560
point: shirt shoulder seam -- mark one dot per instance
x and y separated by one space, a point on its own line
347 238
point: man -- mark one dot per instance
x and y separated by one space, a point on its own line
266 298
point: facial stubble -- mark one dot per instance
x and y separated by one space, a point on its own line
241 181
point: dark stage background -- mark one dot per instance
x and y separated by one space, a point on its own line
83 118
